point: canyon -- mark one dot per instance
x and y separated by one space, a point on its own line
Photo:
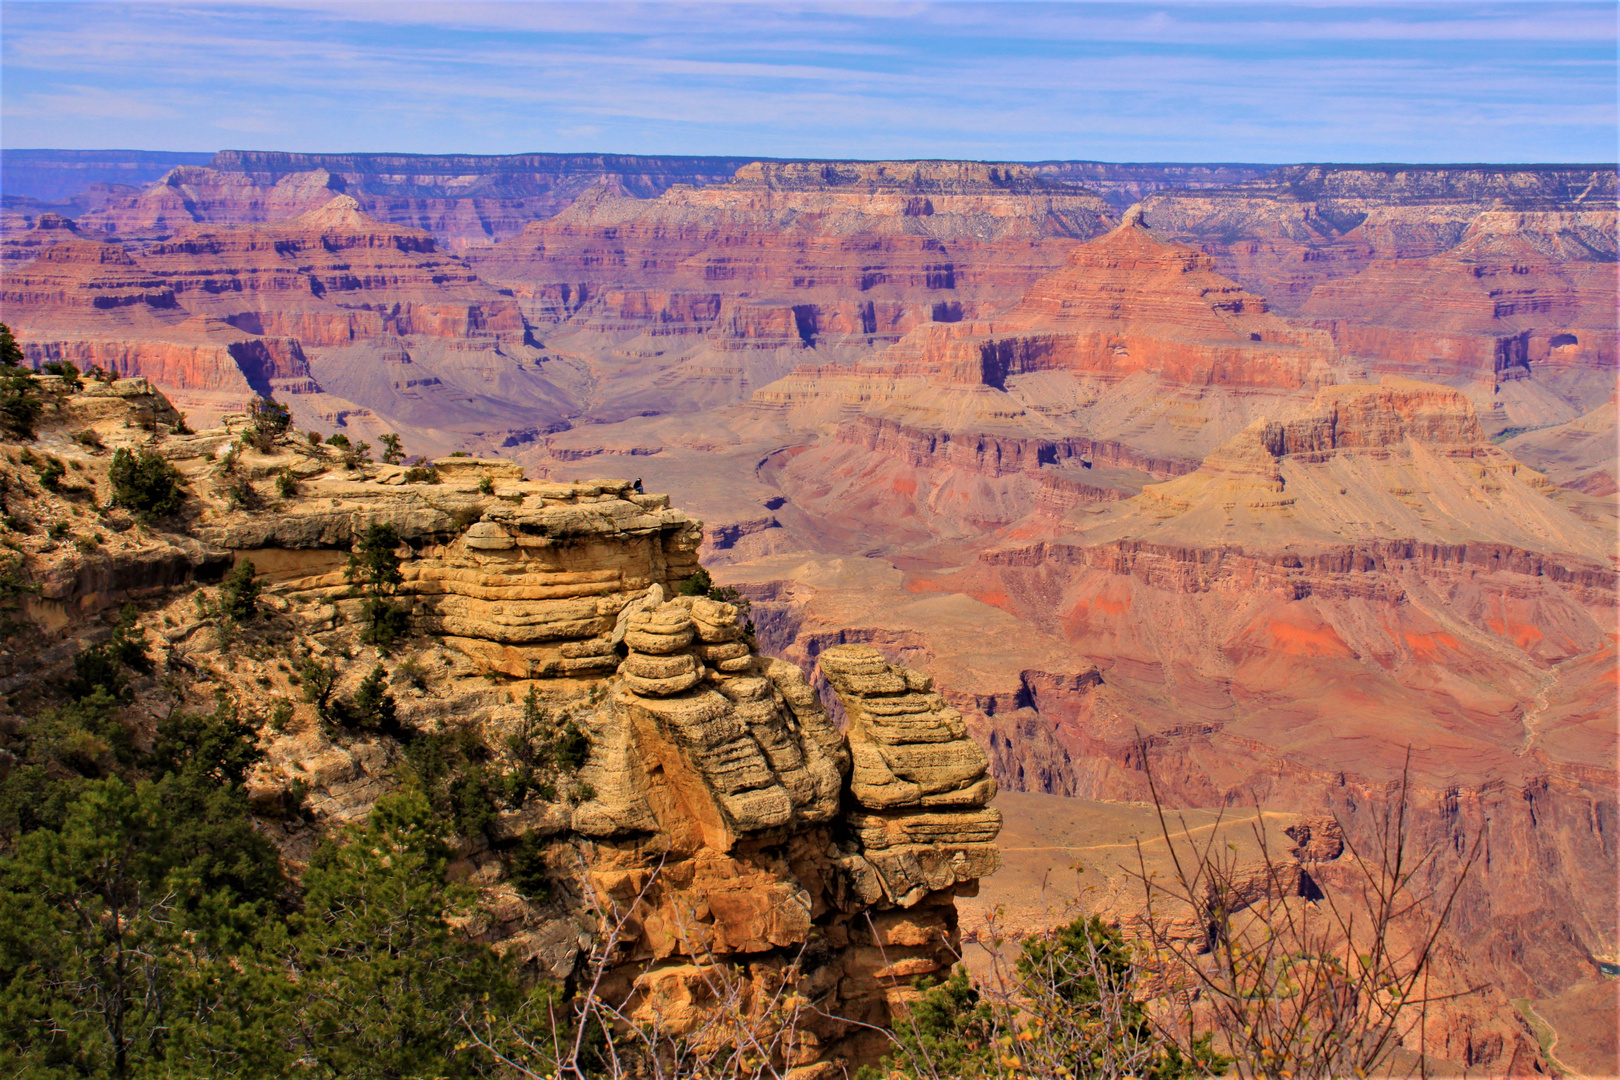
1283 482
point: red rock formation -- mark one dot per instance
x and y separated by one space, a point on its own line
1487 311
1136 355
1322 594
217 315
847 252
1283 233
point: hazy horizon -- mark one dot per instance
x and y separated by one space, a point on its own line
1369 163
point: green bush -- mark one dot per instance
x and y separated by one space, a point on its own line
50 472
239 594
318 681
701 584
372 707
528 870
268 420
145 483
104 666
67 371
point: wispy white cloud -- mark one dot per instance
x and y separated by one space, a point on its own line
1117 80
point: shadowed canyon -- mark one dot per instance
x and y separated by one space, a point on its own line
1284 481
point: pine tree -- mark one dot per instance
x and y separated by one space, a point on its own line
382 977
19 393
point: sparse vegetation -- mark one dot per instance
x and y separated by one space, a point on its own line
318 681
370 710
701 584
286 484
268 420
281 715
50 472
412 673
1073 1004
486 486
239 593
243 496
421 474
105 668
14 585
545 754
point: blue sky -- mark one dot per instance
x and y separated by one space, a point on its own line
1216 81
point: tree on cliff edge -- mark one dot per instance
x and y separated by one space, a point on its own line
373 572
19 395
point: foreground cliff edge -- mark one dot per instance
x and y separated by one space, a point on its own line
712 816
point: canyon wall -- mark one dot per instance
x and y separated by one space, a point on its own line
1286 471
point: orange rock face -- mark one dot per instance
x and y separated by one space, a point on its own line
1488 311
1323 595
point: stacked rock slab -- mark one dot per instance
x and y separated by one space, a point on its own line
920 785
731 826
731 753
534 590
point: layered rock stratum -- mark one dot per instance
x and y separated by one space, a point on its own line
1290 470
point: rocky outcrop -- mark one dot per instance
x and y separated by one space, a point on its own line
727 821
920 783
716 826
